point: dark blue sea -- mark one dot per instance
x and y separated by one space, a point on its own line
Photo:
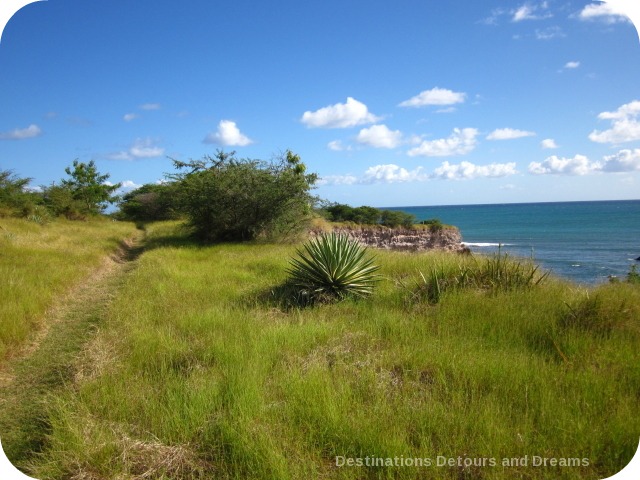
586 242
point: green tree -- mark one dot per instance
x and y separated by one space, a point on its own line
396 218
88 187
151 202
229 199
14 198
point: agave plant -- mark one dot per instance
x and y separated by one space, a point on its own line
333 266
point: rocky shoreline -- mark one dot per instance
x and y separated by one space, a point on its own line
401 238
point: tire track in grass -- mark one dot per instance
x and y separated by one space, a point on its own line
49 362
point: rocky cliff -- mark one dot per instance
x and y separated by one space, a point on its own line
400 238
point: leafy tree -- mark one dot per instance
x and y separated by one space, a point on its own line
88 188
229 199
366 215
396 218
15 198
151 202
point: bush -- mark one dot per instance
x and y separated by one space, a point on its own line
332 267
149 203
14 197
397 218
228 199
496 273
434 224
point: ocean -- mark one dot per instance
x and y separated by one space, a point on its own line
586 242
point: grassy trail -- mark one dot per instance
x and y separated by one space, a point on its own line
62 350
181 364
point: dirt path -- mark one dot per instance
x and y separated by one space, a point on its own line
50 360
92 290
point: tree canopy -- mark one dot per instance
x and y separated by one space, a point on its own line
225 198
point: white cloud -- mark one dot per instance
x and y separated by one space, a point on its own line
548 143
603 11
571 65
578 165
549 33
130 116
31 131
460 142
337 146
128 186
509 134
145 148
467 170
379 136
435 96
392 174
625 126
141 148
337 180
530 11
228 135
340 115
150 106
623 161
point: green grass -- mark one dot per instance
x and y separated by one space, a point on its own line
197 373
38 263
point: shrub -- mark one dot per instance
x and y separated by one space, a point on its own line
332 267
397 218
228 199
149 203
633 276
496 273
434 224
15 199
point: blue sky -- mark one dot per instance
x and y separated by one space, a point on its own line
410 102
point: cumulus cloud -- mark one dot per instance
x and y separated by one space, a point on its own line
141 148
625 126
228 135
467 170
548 143
578 165
530 11
128 186
571 65
337 180
31 131
603 11
435 96
508 134
379 136
460 142
337 146
340 115
145 148
623 161
130 116
393 174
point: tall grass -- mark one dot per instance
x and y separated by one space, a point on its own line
204 378
38 262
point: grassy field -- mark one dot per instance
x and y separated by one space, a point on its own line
41 262
197 371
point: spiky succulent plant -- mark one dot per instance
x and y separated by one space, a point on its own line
333 266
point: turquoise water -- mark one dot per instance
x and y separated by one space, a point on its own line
583 241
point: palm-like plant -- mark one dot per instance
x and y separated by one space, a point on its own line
333 266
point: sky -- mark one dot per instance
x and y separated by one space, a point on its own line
403 103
